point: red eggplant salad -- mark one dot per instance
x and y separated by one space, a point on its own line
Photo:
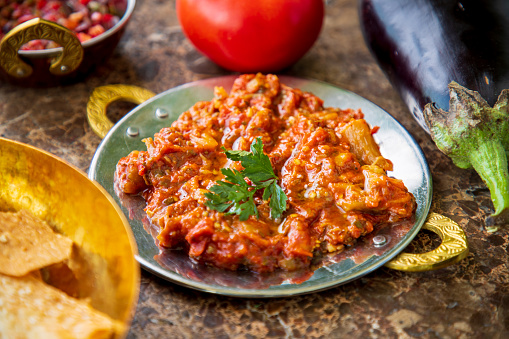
449 61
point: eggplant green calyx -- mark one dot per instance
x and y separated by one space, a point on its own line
474 134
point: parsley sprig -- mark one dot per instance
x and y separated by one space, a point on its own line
234 195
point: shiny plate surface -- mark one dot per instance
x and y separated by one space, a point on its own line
148 118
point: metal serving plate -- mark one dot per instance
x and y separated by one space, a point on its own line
148 118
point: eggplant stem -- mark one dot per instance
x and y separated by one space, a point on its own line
490 161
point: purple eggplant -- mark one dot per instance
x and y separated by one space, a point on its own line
449 61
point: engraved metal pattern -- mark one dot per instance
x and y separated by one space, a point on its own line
34 29
453 248
103 96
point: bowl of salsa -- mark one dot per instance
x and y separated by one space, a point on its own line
54 42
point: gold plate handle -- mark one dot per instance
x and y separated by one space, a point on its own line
34 29
105 95
453 248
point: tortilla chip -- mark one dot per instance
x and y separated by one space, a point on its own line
32 309
27 244
62 277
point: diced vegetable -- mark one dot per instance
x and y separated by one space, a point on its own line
363 145
87 19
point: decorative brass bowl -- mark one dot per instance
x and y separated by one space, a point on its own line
56 66
82 210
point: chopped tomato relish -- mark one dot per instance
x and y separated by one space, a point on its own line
86 18
328 163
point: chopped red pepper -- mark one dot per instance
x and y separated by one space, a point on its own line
86 18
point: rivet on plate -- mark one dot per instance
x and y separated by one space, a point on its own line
20 72
379 240
64 68
133 132
161 113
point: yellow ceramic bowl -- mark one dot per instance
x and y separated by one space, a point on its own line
81 209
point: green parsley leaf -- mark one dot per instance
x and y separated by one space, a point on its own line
234 195
277 202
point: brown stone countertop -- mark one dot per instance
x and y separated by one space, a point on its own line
466 300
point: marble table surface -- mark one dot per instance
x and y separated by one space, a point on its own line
467 300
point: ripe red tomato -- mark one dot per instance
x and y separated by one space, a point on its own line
252 35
